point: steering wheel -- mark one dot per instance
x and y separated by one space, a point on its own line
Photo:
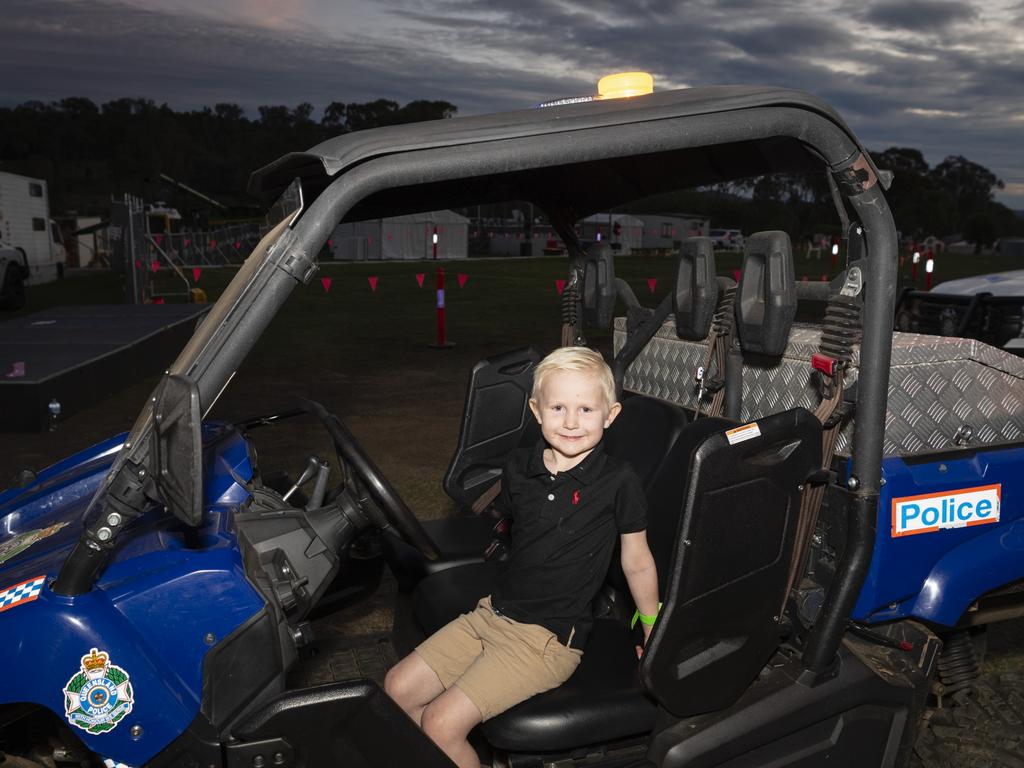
395 510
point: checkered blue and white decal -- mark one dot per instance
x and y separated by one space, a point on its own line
24 592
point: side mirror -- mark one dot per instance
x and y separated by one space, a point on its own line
177 447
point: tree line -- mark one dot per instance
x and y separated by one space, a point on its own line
87 151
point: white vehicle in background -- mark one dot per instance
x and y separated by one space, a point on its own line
985 307
726 239
25 223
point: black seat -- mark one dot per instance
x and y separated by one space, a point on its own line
604 699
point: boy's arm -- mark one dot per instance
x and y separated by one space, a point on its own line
641 575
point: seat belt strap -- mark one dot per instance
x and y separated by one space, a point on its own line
718 346
486 498
841 331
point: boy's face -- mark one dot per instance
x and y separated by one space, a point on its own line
573 414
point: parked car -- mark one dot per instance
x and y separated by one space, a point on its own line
726 239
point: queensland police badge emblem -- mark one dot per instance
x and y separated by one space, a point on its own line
99 695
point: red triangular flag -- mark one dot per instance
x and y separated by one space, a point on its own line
138 263
196 272
213 243
237 245
330 243
187 241
652 283
736 275
158 239
462 280
154 265
419 278
372 280
559 286
326 283
158 301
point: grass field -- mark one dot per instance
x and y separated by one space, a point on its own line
365 353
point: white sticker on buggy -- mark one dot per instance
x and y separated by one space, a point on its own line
930 512
739 434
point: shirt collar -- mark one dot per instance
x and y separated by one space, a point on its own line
585 472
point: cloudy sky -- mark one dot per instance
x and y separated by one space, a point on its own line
943 76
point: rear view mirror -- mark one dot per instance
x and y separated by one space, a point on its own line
177 447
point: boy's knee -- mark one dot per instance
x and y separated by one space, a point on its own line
394 683
437 724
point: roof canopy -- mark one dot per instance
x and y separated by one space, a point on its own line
592 181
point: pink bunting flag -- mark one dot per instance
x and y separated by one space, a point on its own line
736 275
326 283
196 272
652 283
330 243
138 263
154 265
237 245
213 243
158 301
187 241
420 277
462 280
372 280
158 239
559 286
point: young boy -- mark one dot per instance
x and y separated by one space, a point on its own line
567 500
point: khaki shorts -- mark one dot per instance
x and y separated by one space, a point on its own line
495 661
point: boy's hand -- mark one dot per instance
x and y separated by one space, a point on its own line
647 636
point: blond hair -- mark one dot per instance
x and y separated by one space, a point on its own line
580 359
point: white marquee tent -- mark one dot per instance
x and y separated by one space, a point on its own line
402 238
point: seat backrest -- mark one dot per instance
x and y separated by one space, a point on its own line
727 573
495 420
643 434
766 296
646 435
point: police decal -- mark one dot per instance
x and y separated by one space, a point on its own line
99 695
931 512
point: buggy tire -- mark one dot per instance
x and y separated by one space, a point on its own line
12 292
983 729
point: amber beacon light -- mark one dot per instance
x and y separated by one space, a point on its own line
625 84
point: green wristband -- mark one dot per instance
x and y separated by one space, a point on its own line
644 618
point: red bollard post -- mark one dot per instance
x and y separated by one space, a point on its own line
442 342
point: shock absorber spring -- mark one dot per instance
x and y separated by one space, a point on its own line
570 297
724 319
841 328
958 665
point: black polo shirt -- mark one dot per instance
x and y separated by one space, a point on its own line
564 530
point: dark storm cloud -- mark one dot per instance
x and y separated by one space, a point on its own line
920 15
948 85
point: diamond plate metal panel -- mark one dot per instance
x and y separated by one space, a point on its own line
937 385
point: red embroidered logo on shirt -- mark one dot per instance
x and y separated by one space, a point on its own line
575 497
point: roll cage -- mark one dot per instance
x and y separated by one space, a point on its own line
571 161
